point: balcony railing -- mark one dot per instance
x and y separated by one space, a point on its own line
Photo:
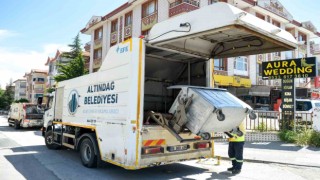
182 6
87 46
97 63
114 37
97 43
128 31
148 21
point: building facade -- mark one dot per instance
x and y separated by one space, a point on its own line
20 89
35 83
59 59
240 75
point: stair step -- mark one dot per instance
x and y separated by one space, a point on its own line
68 145
69 135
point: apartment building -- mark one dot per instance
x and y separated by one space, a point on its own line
59 59
240 75
20 89
35 83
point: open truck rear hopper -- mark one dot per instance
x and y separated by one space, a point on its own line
106 115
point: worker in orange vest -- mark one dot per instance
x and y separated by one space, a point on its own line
235 151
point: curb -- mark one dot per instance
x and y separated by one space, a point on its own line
272 162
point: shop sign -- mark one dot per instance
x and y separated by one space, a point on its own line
287 69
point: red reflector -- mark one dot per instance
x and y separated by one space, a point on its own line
202 145
152 150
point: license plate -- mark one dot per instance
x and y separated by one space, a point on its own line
178 148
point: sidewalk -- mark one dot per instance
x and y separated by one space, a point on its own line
274 152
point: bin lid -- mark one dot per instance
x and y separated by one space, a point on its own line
219 30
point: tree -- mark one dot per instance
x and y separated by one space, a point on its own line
76 66
6 98
22 100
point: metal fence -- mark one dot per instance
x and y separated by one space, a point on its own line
272 121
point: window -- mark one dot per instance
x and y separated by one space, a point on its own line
97 53
220 64
258 15
289 54
241 63
40 79
128 19
303 105
149 8
276 23
98 33
114 26
215 1
302 37
241 66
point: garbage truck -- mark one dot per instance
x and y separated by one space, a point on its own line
23 115
152 101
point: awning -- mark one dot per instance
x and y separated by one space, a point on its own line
235 81
260 91
219 30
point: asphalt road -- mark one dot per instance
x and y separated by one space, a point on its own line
23 155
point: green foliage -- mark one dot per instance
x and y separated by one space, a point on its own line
76 65
22 100
6 98
75 49
315 139
303 137
50 90
262 127
288 136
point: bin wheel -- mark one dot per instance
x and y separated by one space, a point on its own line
220 116
205 136
252 116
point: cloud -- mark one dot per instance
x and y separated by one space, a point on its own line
14 63
6 34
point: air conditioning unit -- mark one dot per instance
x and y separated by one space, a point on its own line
261 81
277 82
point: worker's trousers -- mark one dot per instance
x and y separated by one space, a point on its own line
235 153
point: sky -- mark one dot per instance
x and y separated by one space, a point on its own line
32 30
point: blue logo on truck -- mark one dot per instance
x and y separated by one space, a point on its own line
73 102
122 49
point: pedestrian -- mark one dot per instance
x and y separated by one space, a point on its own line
235 150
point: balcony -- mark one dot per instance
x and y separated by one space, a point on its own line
97 43
87 46
128 31
114 37
97 63
315 49
148 21
182 6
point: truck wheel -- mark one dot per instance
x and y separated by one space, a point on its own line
49 140
87 153
9 123
16 124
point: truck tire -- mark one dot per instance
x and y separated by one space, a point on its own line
48 138
16 124
9 123
87 153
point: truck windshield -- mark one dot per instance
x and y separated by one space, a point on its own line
32 109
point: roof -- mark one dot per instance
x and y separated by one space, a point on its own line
105 17
36 71
19 80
